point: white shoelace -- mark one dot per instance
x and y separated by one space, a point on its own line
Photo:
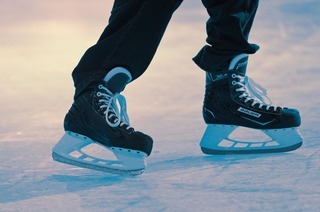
110 103
252 91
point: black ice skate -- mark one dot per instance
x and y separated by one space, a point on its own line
95 118
229 103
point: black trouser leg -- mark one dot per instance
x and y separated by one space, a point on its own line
130 40
228 30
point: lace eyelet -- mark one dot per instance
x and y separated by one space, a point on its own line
233 76
234 83
98 93
100 86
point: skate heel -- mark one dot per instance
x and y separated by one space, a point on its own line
214 138
69 150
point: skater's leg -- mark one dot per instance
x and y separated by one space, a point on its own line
98 114
130 40
228 30
228 104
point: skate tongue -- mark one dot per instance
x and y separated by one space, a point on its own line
117 79
239 64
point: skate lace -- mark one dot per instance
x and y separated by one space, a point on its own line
115 108
252 91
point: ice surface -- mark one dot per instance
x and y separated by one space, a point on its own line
42 41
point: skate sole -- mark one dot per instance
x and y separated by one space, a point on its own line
257 151
61 159
216 141
69 150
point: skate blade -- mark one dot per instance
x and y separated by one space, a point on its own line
216 141
69 151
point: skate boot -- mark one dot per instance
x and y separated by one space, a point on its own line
99 116
231 102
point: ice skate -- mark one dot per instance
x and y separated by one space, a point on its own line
99 116
231 102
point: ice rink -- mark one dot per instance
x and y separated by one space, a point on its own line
42 41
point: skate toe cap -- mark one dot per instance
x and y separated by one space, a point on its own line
292 116
140 141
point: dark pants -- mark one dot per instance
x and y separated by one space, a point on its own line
136 28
